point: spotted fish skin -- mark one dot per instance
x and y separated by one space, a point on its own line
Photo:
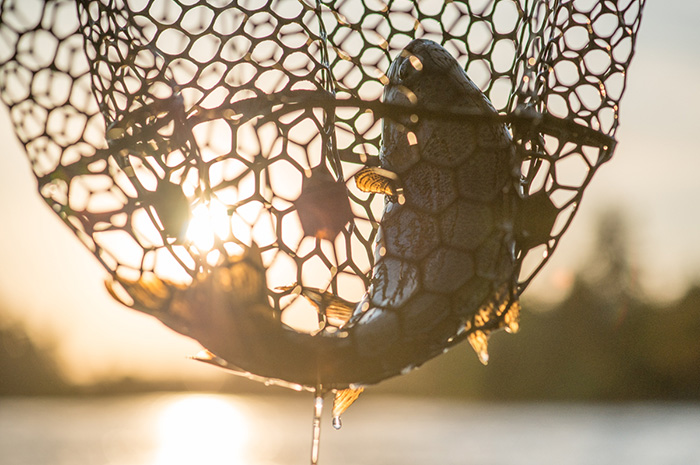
445 248
444 251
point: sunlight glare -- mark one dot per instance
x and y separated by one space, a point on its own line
208 222
202 429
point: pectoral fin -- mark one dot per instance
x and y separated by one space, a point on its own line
378 181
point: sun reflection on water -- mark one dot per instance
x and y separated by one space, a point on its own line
202 429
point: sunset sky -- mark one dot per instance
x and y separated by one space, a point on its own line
50 281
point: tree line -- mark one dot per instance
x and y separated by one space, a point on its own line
603 342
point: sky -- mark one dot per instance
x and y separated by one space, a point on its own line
51 283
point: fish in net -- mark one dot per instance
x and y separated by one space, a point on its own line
324 194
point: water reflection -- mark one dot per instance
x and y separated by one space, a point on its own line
197 429
201 429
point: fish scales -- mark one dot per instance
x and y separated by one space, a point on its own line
444 250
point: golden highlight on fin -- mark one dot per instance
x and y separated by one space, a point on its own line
479 341
343 399
511 319
377 181
502 311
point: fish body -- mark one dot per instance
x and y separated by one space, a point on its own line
444 260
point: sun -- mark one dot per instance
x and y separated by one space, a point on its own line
209 221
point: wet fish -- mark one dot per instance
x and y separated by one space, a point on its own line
444 255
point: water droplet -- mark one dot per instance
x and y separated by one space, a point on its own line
406 370
343 399
316 424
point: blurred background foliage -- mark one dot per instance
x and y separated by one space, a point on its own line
605 341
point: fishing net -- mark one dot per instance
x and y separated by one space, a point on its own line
170 134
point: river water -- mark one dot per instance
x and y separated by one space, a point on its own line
212 429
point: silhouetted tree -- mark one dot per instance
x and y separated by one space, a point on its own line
25 367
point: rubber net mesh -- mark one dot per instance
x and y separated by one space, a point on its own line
170 133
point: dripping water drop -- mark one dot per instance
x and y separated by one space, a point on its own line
407 369
316 434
